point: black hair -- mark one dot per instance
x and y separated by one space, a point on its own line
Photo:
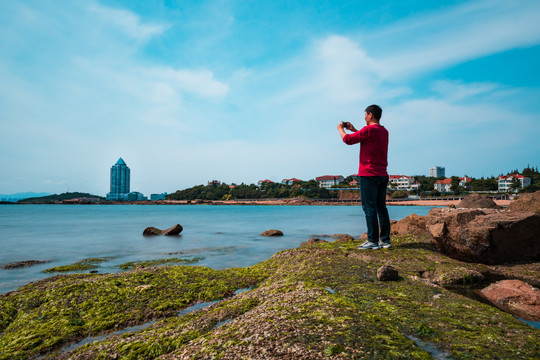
375 110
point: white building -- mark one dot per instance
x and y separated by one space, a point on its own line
505 182
327 181
464 181
443 185
402 182
436 171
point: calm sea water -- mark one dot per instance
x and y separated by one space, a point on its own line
226 236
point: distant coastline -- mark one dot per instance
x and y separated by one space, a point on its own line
298 202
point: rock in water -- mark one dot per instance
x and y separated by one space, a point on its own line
172 231
25 263
486 236
272 233
175 230
387 273
152 231
516 297
477 201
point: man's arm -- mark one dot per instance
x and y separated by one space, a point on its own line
345 125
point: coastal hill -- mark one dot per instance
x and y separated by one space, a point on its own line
321 300
58 198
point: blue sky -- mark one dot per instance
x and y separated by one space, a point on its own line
190 91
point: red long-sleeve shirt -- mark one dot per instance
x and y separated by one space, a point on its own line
373 141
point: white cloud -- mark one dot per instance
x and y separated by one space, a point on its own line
458 90
127 22
466 32
200 82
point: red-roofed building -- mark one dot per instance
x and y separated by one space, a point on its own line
464 181
443 185
505 182
402 182
290 181
327 181
264 182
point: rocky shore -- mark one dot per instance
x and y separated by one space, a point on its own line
325 299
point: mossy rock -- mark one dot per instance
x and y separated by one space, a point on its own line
320 301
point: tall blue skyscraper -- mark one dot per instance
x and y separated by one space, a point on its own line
119 181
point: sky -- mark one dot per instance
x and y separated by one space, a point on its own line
239 91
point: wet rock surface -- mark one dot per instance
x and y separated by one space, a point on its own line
22 264
516 297
485 235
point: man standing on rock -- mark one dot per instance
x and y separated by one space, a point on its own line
373 139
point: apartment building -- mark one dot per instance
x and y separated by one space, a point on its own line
505 182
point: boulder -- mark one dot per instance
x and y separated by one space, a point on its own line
387 273
516 297
526 202
172 231
477 201
486 236
272 233
412 224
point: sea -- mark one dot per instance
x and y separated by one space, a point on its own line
221 236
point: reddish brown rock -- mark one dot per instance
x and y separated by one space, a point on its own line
486 236
477 201
387 273
526 202
516 297
272 233
412 224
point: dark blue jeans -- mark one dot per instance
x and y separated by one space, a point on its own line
373 196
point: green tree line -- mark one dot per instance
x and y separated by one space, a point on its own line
308 189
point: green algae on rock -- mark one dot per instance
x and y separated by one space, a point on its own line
322 300
134 264
85 264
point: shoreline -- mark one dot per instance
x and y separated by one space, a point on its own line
276 202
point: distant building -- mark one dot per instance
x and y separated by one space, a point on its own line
443 185
214 182
505 182
155 197
327 181
289 181
464 182
136 196
120 178
402 182
264 182
436 171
